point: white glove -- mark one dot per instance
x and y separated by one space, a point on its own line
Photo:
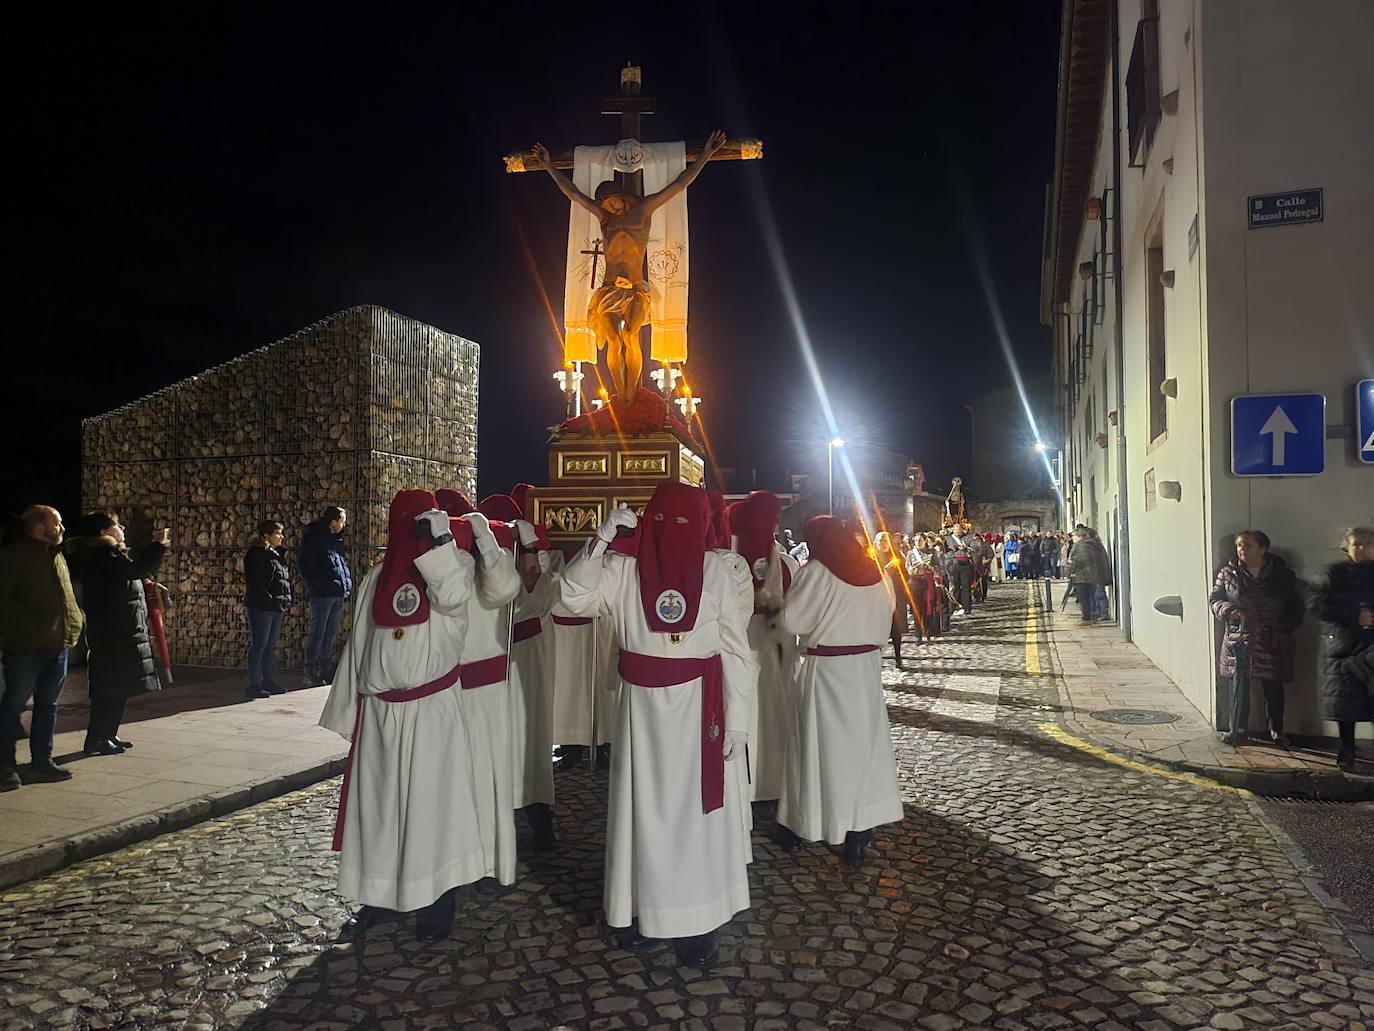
735 743
525 529
435 522
618 517
483 537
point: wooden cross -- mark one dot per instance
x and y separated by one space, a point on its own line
631 107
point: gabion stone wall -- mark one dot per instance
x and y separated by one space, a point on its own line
346 411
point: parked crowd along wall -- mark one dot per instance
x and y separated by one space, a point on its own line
346 411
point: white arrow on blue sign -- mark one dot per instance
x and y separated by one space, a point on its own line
1364 422
1278 434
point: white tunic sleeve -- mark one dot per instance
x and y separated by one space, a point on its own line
582 589
808 599
448 579
740 667
499 583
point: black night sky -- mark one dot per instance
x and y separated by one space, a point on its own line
198 181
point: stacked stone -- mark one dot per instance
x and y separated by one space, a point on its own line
346 411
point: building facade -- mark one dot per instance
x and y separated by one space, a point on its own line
344 412
1190 261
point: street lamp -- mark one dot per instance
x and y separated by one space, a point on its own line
830 462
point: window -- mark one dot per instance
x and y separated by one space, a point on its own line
1156 367
1142 84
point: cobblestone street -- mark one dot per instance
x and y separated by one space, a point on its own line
1030 885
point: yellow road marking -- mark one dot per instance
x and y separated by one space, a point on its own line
1032 647
1065 738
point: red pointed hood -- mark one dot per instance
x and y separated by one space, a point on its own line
754 521
455 503
833 545
671 552
400 598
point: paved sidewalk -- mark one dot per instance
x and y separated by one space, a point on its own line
1100 671
200 750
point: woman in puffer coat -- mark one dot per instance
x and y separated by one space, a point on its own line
1345 605
267 596
121 663
1256 595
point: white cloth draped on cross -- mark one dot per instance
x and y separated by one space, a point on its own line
666 254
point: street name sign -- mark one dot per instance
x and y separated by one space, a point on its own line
1285 209
1364 419
1278 434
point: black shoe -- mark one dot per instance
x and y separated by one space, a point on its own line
698 952
854 844
788 840
314 680
257 692
107 747
435 922
43 771
629 939
1345 759
274 689
9 779
366 918
126 745
570 757
491 888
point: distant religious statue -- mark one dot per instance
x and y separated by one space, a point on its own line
954 504
620 306
915 479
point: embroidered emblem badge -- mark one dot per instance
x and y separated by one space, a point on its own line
761 569
406 600
398 634
674 638
713 731
671 606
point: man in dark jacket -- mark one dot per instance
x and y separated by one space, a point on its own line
39 621
328 583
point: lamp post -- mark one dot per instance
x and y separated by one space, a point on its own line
830 462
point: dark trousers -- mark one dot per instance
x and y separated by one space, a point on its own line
107 713
1086 599
963 585
264 626
325 614
1240 704
1347 732
36 675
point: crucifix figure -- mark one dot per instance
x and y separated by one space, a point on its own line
619 307
621 302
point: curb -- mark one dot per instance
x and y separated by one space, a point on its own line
1305 784
39 860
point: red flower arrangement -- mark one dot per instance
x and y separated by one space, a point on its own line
642 416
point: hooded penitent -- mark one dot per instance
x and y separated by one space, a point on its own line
455 503
671 551
753 522
718 536
834 546
400 599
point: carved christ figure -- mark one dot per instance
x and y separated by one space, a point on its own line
619 307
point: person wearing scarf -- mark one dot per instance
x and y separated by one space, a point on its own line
407 827
484 680
677 843
841 776
754 521
531 671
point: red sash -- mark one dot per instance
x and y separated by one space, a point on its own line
573 620
652 671
525 629
841 649
484 672
410 694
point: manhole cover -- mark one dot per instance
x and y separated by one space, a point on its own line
1135 716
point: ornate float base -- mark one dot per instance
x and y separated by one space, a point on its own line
589 475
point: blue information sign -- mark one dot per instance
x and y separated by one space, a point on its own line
1364 420
1278 434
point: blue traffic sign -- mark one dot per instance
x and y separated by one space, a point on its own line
1364 420
1278 434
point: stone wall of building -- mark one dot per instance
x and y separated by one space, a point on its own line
344 412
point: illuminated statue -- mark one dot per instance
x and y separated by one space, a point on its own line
620 306
954 504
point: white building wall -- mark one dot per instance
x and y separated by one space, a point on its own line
1290 86
1287 90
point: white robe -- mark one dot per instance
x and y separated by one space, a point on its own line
487 712
531 677
776 654
577 650
841 774
410 829
677 870
744 598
